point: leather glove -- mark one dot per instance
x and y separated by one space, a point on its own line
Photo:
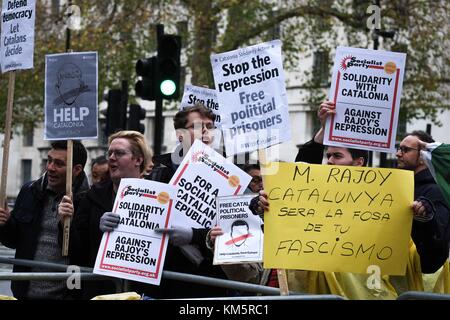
178 236
109 221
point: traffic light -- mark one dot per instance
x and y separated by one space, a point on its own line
146 87
168 61
115 112
137 113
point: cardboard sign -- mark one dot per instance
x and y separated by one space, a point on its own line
202 176
243 238
366 87
134 250
71 82
252 96
338 218
17 37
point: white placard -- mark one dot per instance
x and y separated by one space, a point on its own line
202 176
17 37
251 92
243 238
366 87
133 250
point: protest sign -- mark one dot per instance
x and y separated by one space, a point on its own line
252 97
202 176
338 218
17 37
134 250
71 84
366 87
208 98
242 240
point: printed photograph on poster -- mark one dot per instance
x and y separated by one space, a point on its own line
134 250
243 238
71 82
366 88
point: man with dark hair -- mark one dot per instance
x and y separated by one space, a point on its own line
99 170
187 250
430 229
312 151
254 170
34 228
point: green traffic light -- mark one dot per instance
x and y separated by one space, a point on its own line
167 87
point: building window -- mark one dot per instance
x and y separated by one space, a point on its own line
320 68
28 137
26 171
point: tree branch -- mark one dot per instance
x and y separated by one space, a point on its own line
239 39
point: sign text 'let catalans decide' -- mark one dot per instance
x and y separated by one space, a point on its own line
338 218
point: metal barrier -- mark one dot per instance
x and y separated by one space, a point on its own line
88 275
419 295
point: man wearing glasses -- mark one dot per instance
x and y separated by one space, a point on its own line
187 250
430 230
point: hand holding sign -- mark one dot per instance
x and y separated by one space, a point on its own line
109 221
178 236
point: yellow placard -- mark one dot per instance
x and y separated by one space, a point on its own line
338 218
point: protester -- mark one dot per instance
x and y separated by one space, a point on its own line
254 170
353 286
99 170
127 154
430 230
33 227
187 251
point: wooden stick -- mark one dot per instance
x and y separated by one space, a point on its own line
7 138
66 228
281 273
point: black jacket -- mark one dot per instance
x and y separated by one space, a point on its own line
22 229
85 235
176 260
432 237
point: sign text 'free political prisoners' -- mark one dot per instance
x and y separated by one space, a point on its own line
202 176
338 218
71 96
133 250
366 87
252 95
17 36
242 240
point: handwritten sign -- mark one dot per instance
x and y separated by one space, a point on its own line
338 218
242 240
366 87
252 96
133 250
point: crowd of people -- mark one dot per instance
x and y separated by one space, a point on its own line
34 227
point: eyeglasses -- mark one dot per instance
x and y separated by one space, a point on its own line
405 149
118 153
208 126
256 180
